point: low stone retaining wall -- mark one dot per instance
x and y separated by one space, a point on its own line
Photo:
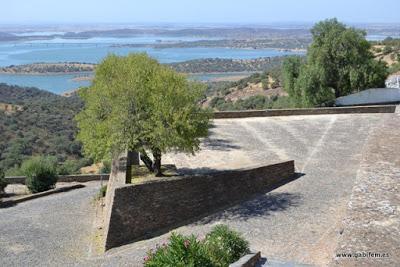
142 210
12 202
81 178
304 111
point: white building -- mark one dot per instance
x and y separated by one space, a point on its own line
393 81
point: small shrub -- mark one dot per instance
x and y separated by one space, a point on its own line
180 252
3 182
106 167
225 246
14 171
69 167
41 173
103 191
220 248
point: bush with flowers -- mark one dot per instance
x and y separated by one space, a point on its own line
225 246
221 247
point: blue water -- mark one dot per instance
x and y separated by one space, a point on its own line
54 83
11 54
95 49
62 83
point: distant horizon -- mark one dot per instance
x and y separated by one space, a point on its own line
291 24
250 12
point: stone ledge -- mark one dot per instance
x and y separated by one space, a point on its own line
79 178
304 111
13 202
249 260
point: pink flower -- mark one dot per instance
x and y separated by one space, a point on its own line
186 243
146 258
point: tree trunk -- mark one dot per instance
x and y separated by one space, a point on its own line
146 160
157 163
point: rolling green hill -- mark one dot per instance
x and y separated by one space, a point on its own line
43 125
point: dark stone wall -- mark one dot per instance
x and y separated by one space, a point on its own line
304 111
142 210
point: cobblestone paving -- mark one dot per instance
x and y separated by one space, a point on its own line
372 223
297 222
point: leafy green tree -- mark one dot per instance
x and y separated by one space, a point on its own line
290 73
137 104
339 62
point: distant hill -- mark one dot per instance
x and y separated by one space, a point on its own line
41 125
388 50
258 91
206 65
42 68
219 65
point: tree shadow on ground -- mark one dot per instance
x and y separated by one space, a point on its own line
214 142
219 144
260 206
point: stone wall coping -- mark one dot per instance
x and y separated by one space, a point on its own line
63 178
200 176
305 111
249 260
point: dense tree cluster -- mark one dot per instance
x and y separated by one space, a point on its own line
339 62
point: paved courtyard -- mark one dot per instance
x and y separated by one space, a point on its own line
299 222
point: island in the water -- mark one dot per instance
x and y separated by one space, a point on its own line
48 68
207 65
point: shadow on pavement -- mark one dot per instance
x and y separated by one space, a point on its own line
219 144
260 206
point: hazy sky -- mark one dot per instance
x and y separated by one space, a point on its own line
197 11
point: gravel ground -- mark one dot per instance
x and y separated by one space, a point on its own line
297 222
49 231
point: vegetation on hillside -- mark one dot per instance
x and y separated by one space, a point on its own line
137 104
258 91
44 126
210 65
286 42
41 68
388 50
339 62
206 65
